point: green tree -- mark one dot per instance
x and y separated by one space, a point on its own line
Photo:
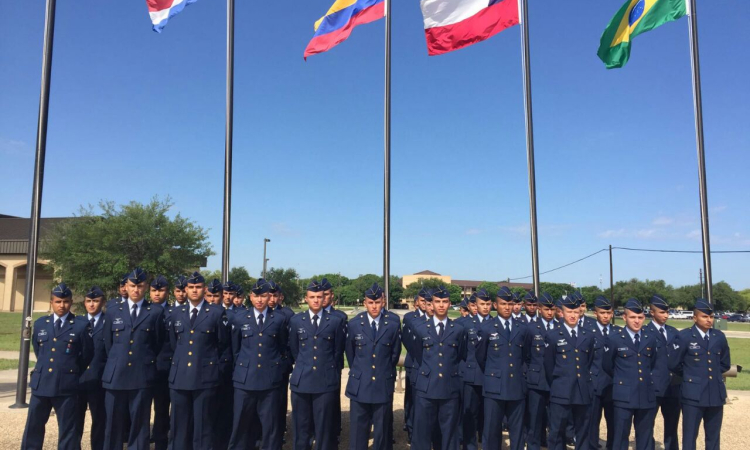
556 290
96 249
241 277
490 287
289 282
431 283
336 279
210 275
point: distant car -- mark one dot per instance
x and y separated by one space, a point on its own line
680 314
726 316
735 318
455 307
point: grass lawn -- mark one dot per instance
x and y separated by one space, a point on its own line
10 330
7 364
740 352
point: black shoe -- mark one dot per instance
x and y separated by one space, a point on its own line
570 442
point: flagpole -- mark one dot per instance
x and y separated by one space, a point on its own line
228 143
36 206
698 106
387 162
526 63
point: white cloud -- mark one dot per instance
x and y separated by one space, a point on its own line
13 147
473 231
663 220
283 229
718 209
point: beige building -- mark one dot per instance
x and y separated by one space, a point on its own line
468 287
14 244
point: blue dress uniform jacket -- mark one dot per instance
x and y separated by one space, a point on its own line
317 355
91 378
470 370
160 430
62 355
197 348
372 363
666 383
438 359
503 361
91 394
258 352
701 365
132 347
631 369
536 377
407 339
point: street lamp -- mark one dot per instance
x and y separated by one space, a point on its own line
265 260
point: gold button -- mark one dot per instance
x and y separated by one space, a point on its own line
710 377
315 347
373 378
315 357
440 375
578 367
54 339
565 357
710 370
258 365
129 364
579 376
52 360
131 341
440 354
315 368
261 345
50 369
639 355
708 353
259 355
191 342
53 349
315 337
190 364
640 371
576 350
130 353
709 361
191 354
640 379
578 359
510 354
192 331
260 334
439 365
511 375
441 344
511 364
373 355
639 363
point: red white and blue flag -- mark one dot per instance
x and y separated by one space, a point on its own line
161 11
453 24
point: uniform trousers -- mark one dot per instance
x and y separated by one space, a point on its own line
670 412
252 410
435 423
120 405
223 420
642 419
94 400
160 431
284 391
560 416
39 411
314 412
691 422
494 411
536 411
472 416
408 403
192 418
366 416
598 404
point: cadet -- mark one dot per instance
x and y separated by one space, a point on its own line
123 293
276 303
472 305
632 355
316 341
91 393
530 305
373 347
199 335
501 353
701 355
63 349
229 292
602 380
329 300
567 365
235 297
239 299
464 308
409 362
213 292
472 413
439 346
537 400
223 424
159 293
133 337
180 296
666 384
517 305
585 321
259 339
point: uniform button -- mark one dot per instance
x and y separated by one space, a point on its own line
640 371
191 342
441 344
131 341
129 364
260 345
620 382
53 349
258 365
190 364
640 379
259 355
373 378
116 335
708 353
440 374
315 347
440 354
578 367
315 357
192 331
578 359
639 363
315 368
709 377
373 367
709 361
579 376
710 369
511 375
260 334
511 364
191 354
492 374
439 365
52 360
315 337
130 353
639 355
510 354
576 350
373 355
50 369
54 339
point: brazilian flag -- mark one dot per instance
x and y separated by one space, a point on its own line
635 17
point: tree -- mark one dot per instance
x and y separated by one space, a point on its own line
556 290
210 275
432 283
336 279
241 277
96 249
289 282
490 287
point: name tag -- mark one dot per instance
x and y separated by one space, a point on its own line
117 321
358 337
622 349
562 342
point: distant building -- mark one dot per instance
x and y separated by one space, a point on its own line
14 246
468 287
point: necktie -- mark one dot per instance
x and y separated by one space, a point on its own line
573 333
606 331
260 321
548 326
134 313
580 322
93 322
637 339
374 330
663 332
315 322
507 329
193 316
58 324
705 338
440 329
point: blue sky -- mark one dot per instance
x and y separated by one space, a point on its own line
136 114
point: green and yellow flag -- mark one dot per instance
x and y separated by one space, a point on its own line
635 17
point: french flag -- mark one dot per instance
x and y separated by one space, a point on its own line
161 11
453 24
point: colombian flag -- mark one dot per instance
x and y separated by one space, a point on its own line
336 26
635 17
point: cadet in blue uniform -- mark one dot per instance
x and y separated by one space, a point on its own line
199 334
537 400
473 400
602 380
517 305
701 355
631 362
276 303
567 366
91 393
316 341
373 347
585 321
666 384
259 342
213 292
502 351
180 296
63 348
158 294
530 304
133 336
232 292
409 363
122 291
328 305
439 346
222 429
463 308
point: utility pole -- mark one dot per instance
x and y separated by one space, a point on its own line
265 260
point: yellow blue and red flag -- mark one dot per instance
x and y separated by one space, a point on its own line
338 23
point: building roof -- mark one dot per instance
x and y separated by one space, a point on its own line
474 284
14 232
428 272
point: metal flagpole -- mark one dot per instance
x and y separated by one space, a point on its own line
228 143
523 16
36 207
387 169
698 106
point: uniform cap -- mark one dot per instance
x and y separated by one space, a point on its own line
61 291
273 287
634 305
546 300
703 306
426 294
214 286
374 292
602 302
659 302
95 292
441 292
472 298
464 304
180 282
569 302
138 275
315 286
482 294
196 278
325 284
124 279
505 294
530 297
516 298
159 282
261 287
229 287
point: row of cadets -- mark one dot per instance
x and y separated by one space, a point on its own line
373 348
422 312
316 341
329 300
276 303
537 398
259 345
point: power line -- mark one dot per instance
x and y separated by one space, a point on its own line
563 266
